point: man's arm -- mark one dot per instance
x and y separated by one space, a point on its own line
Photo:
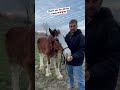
80 52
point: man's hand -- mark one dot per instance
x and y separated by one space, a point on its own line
69 58
87 76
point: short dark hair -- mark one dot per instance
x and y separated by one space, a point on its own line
73 21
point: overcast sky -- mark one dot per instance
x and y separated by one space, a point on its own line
77 11
15 5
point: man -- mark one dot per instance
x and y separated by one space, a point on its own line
102 49
76 43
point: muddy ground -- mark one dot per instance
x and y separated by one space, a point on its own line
51 83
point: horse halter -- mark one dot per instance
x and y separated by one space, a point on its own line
55 38
65 48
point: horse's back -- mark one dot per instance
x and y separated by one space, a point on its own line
44 45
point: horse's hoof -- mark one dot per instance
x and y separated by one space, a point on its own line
41 68
60 77
56 74
49 74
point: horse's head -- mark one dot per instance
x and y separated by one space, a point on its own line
56 45
55 41
59 42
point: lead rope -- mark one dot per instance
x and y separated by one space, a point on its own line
62 61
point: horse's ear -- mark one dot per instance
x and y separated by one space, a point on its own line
51 32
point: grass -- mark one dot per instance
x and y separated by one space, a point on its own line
37 56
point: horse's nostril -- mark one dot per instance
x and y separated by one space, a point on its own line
56 39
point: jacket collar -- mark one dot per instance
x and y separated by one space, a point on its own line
75 33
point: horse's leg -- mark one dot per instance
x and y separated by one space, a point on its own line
15 71
41 62
57 70
30 76
55 67
48 72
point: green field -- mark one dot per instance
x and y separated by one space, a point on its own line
37 56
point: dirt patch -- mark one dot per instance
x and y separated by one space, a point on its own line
51 83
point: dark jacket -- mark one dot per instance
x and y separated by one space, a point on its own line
76 43
102 51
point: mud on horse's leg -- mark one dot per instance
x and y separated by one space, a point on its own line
41 62
48 72
57 70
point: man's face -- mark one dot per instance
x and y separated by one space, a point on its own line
93 7
73 27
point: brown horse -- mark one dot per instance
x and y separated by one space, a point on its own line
49 46
20 51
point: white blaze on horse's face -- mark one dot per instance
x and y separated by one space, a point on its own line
64 45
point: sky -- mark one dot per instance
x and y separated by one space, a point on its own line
60 21
15 5
43 20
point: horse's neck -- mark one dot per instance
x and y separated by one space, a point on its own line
50 37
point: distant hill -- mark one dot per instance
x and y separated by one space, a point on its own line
38 35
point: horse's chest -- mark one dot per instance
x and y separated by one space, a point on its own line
54 53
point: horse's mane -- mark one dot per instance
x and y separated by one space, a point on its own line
57 32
